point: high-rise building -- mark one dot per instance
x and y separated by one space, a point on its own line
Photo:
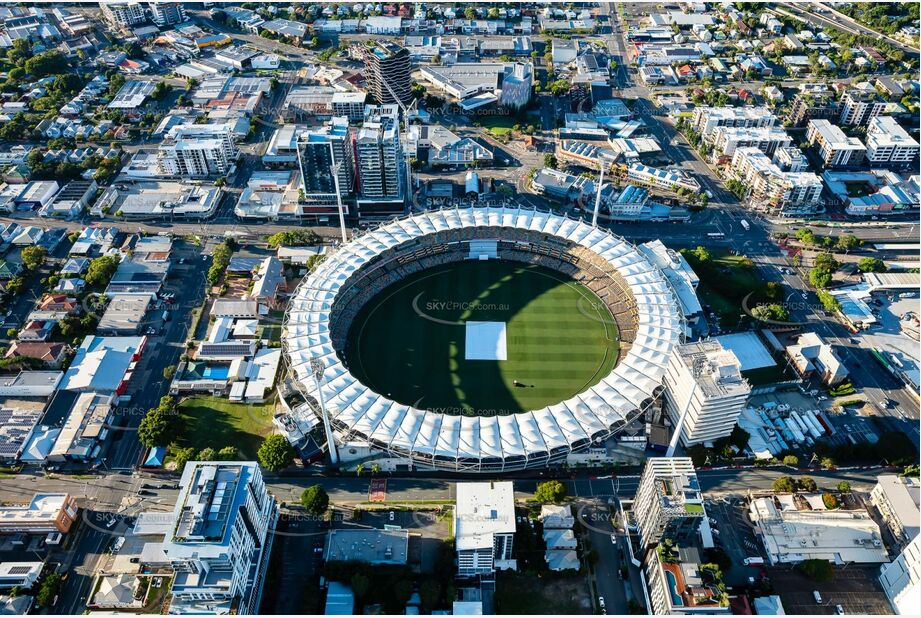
889 144
124 14
668 501
380 161
704 391
811 106
197 151
167 13
835 148
220 538
682 582
387 72
484 527
858 108
901 580
318 154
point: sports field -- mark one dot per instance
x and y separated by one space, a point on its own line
410 343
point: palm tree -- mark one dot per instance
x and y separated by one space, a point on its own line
375 469
359 469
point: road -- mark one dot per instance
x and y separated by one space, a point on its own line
842 22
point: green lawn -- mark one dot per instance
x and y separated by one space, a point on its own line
272 332
409 342
216 423
725 280
497 125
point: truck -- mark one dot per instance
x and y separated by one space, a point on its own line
753 561
744 224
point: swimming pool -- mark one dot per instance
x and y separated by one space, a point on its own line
673 589
215 372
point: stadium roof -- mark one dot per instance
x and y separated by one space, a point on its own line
466 442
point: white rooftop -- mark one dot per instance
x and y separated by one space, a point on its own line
482 510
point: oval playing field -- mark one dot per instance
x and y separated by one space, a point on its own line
419 341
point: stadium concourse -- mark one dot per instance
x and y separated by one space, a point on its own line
633 289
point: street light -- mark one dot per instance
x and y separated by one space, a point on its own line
317 367
335 168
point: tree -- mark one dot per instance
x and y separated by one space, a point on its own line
791 460
806 236
702 254
470 13
359 469
830 501
867 265
375 469
819 278
315 499
182 456
829 302
207 454
101 270
48 590
844 487
228 453
771 312
827 462
550 160
817 569
33 257
46 63
169 372
806 483
160 427
847 242
826 262
275 453
360 584
550 491
784 485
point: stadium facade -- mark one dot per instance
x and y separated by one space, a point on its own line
635 290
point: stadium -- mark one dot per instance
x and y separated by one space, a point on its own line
482 339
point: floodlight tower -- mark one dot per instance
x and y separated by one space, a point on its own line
317 367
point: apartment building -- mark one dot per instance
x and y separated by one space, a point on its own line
219 541
44 514
484 527
791 159
123 14
198 151
706 119
789 193
387 69
727 139
681 582
668 501
810 106
167 13
897 499
901 580
704 391
888 144
380 161
327 164
858 107
835 148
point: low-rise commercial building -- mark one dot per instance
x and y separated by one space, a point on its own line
43 514
484 527
897 498
810 355
901 580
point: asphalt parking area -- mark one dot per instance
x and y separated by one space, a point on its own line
735 536
855 588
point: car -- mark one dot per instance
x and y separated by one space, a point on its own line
169 486
601 602
182 260
147 486
839 610
391 516
112 521
614 539
817 596
146 492
151 330
156 583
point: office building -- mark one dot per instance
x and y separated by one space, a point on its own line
888 144
123 14
387 72
477 84
858 108
790 535
901 580
167 13
484 527
198 151
835 148
704 391
44 514
706 119
811 355
897 499
380 164
325 158
219 540
668 501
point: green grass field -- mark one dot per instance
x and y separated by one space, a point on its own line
408 342
216 423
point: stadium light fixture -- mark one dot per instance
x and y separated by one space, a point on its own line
318 367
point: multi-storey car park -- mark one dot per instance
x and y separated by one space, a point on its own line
635 292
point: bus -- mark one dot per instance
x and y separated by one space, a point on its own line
744 224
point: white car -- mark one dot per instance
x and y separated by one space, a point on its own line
614 539
391 515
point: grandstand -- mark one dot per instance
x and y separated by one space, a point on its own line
634 291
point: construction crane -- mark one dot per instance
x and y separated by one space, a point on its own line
407 112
